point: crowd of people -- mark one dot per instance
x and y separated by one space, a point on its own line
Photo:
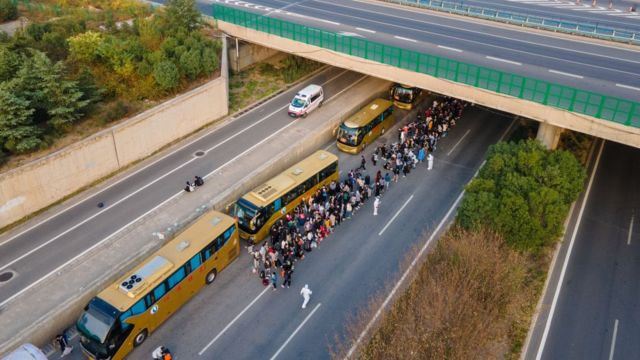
315 218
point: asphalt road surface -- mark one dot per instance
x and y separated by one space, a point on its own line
34 253
617 17
607 68
597 315
237 318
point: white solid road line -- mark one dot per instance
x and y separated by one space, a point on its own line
449 48
233 321
328 21
405 39
628 87
217 128
630 231
396 215
366 30
504 60
567 257
613 340
181 192
459 141
566 74
295 331
158 179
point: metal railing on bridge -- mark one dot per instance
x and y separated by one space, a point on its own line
577 28
600 106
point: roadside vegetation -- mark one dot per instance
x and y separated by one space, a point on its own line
474 295
80 65
267 78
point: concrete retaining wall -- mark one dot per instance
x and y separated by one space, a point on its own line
542 113
61 298
36 185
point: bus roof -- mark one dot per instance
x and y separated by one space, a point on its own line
163 262
368 113
264 194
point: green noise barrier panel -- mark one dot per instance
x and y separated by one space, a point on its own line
600 106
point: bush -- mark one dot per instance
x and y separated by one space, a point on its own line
8 10
115 111
461 304
166 75
524 192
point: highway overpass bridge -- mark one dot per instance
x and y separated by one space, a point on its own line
561 81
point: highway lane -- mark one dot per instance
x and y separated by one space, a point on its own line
38 251
237 318
597 315
578 62
570 11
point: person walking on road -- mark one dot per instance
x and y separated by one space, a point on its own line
287 278
274 280
363 163
376 205
306 295
429 162
62 341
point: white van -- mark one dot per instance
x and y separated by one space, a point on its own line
306 101
26 352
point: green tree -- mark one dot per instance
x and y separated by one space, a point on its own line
166 75
182 15
524 192
191 63
8 10
9 63
18 133
84 47
56 101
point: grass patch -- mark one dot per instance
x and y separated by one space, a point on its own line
266 78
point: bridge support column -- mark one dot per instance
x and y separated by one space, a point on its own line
549 135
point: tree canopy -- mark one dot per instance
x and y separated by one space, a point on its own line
53 72
524 192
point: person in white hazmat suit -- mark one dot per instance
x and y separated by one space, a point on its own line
306 294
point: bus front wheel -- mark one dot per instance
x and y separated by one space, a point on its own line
140 338
211 276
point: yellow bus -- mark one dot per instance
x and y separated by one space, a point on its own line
260 208
404 96
121 317
363 127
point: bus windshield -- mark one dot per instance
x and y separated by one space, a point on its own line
245 212
97 320
349 136
403 94
297 102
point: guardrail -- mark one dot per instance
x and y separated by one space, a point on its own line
600 106
583 29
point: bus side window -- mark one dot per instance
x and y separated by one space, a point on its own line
176 277
124 317
159 292
138 308
219 242
277 204
195 262
206 253
229 232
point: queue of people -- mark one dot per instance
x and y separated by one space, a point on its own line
316 217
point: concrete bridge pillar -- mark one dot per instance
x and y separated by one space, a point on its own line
549 135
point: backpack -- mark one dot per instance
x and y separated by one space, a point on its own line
265 281
262 274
